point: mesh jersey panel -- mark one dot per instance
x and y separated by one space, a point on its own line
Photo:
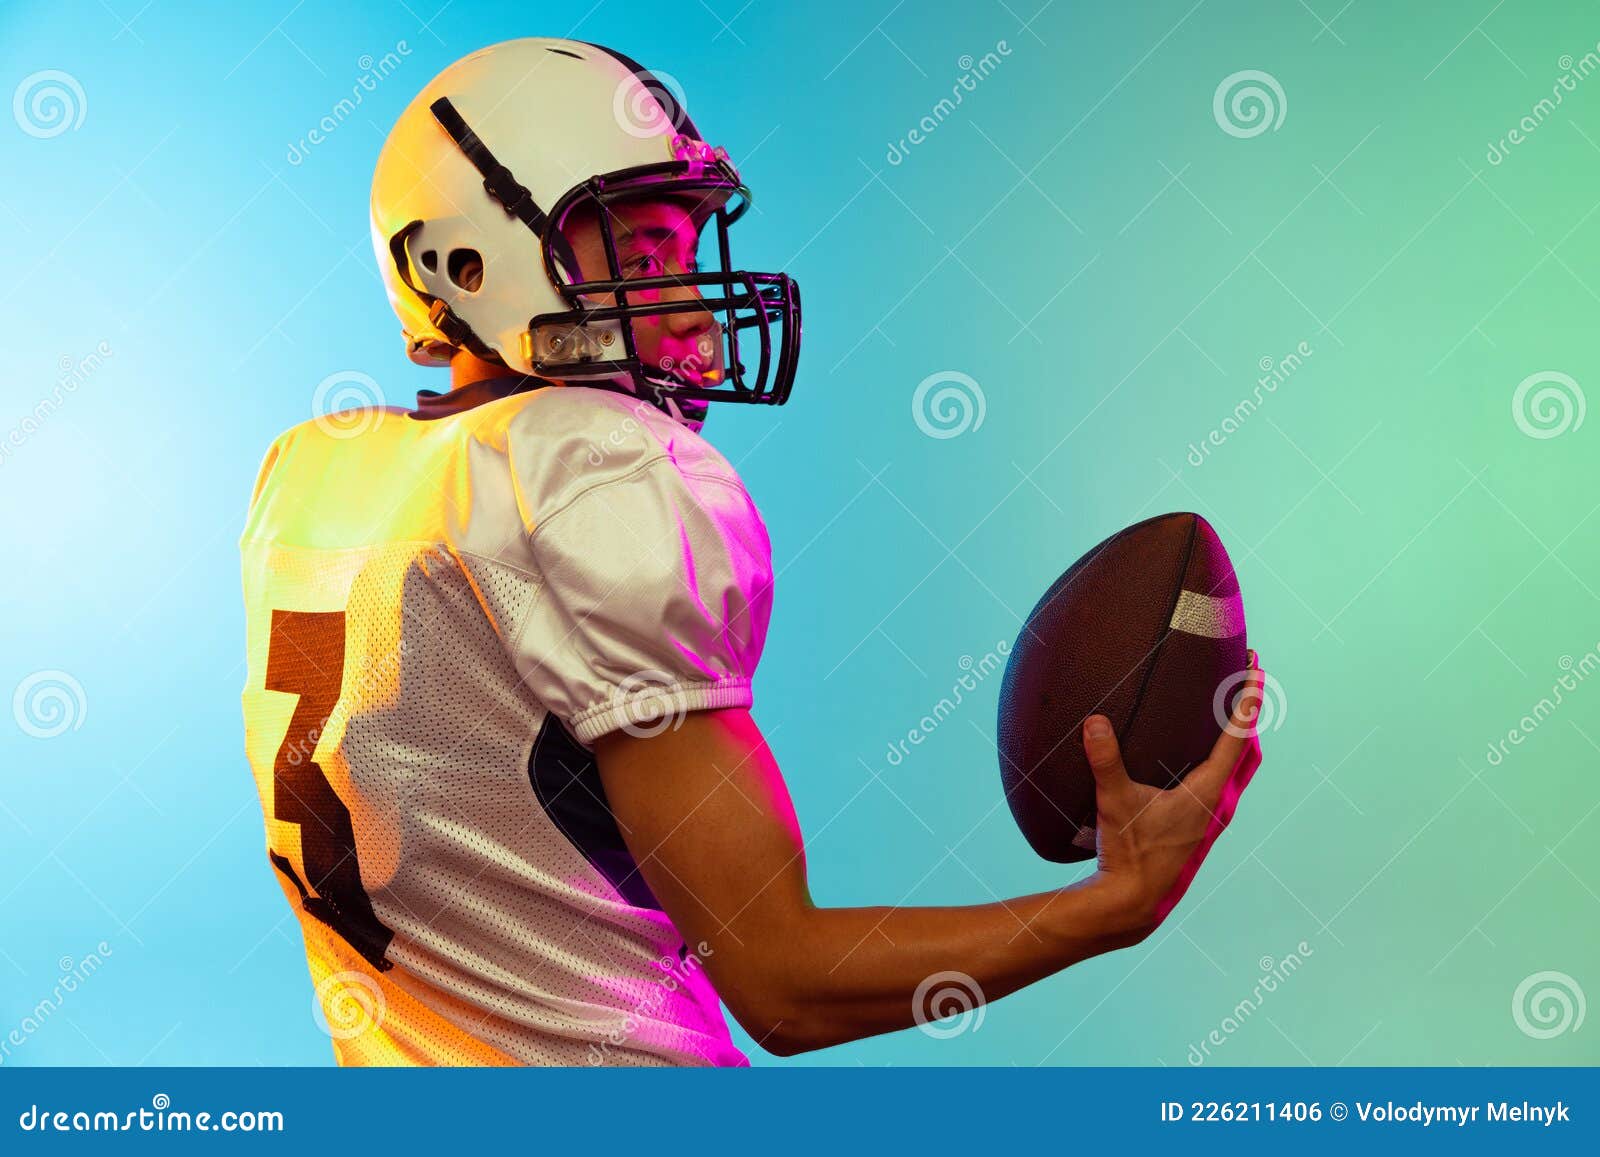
407 652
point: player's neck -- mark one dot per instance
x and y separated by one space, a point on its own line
466 368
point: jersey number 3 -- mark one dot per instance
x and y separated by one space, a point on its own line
305 658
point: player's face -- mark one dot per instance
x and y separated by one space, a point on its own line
653 239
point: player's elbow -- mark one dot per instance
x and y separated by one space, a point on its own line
783 1035
781 1021
786 1044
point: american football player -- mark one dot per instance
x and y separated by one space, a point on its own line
501 643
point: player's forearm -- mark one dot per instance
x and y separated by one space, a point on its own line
847 973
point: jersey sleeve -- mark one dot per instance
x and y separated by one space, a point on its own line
656 590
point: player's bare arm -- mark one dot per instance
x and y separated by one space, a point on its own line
705 811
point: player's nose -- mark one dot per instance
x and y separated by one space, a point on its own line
687 323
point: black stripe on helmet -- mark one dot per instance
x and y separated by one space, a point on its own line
677 114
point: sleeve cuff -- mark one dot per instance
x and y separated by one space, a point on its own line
651 708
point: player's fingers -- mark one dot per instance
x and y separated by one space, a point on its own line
1233 790
1105 757
1249 763
1234 746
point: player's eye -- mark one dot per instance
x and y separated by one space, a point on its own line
645 265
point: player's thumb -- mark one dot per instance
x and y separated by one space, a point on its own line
1105 757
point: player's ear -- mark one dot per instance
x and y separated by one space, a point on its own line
465 267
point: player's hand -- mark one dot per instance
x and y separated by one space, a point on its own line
1153 841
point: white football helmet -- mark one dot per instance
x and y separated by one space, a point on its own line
489 161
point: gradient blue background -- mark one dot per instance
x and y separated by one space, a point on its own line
1082 239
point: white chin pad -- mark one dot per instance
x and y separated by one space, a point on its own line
551 346
571 345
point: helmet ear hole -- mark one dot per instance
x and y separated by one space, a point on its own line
430 260
465 269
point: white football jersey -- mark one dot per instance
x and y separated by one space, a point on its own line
445 608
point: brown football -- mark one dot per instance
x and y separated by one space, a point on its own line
1146 629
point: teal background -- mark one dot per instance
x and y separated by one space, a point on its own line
1109 266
